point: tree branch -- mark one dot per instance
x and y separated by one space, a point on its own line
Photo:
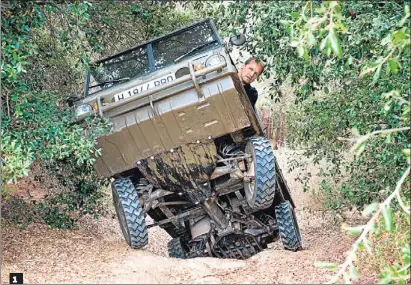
388 131
351 256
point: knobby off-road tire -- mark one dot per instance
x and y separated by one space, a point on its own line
288 228
260 194
176 249
130 213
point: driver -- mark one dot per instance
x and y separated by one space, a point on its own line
251 69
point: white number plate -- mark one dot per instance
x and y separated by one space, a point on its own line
144 87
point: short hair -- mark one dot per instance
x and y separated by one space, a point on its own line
257 60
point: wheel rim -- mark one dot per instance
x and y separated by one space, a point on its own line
250 186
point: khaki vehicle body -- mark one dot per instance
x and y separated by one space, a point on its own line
172 125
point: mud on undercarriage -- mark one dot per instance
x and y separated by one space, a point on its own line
232 210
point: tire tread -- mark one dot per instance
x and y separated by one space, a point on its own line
264 172
287 227
175 249
133 212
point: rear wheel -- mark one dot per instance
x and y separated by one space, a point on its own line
259 185
130 213
176 248
288 226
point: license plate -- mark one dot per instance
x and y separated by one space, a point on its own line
144 87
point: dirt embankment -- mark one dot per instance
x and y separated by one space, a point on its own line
95 252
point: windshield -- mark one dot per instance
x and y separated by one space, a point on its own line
170 48
130 64
151 56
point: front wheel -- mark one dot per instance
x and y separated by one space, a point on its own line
259 187
288 226
130 213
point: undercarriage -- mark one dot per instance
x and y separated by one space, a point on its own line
226 208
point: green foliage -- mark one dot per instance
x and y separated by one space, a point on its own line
349 62
41 129
62 210
16 158
325 46
267 37
357 104
306 31
46 49
73 192
399 271
16 45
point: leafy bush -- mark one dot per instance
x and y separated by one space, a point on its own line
43 129
46 49
349 63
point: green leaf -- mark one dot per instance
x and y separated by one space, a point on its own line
294 43
399 36
374 64
406 16
306 56
333 4
324 42
386 40
354 273
311 39
300 50
284 22
371 208
388 138
359 147
328 50
353 231
341 27
320 10
355 131
376 75
388 219
406 152
393 64
324 264
335 43
406 253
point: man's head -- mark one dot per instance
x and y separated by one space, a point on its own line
251 70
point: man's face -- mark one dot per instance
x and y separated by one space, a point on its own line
250 72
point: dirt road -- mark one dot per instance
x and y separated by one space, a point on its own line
95 252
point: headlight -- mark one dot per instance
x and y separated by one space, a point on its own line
83 109
214 60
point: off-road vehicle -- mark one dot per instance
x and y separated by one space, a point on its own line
187 148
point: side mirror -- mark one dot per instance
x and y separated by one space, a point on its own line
70 100
238 40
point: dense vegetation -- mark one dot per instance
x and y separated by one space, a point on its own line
46 49
349 64
347 61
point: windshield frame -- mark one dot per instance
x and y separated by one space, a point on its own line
149 50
